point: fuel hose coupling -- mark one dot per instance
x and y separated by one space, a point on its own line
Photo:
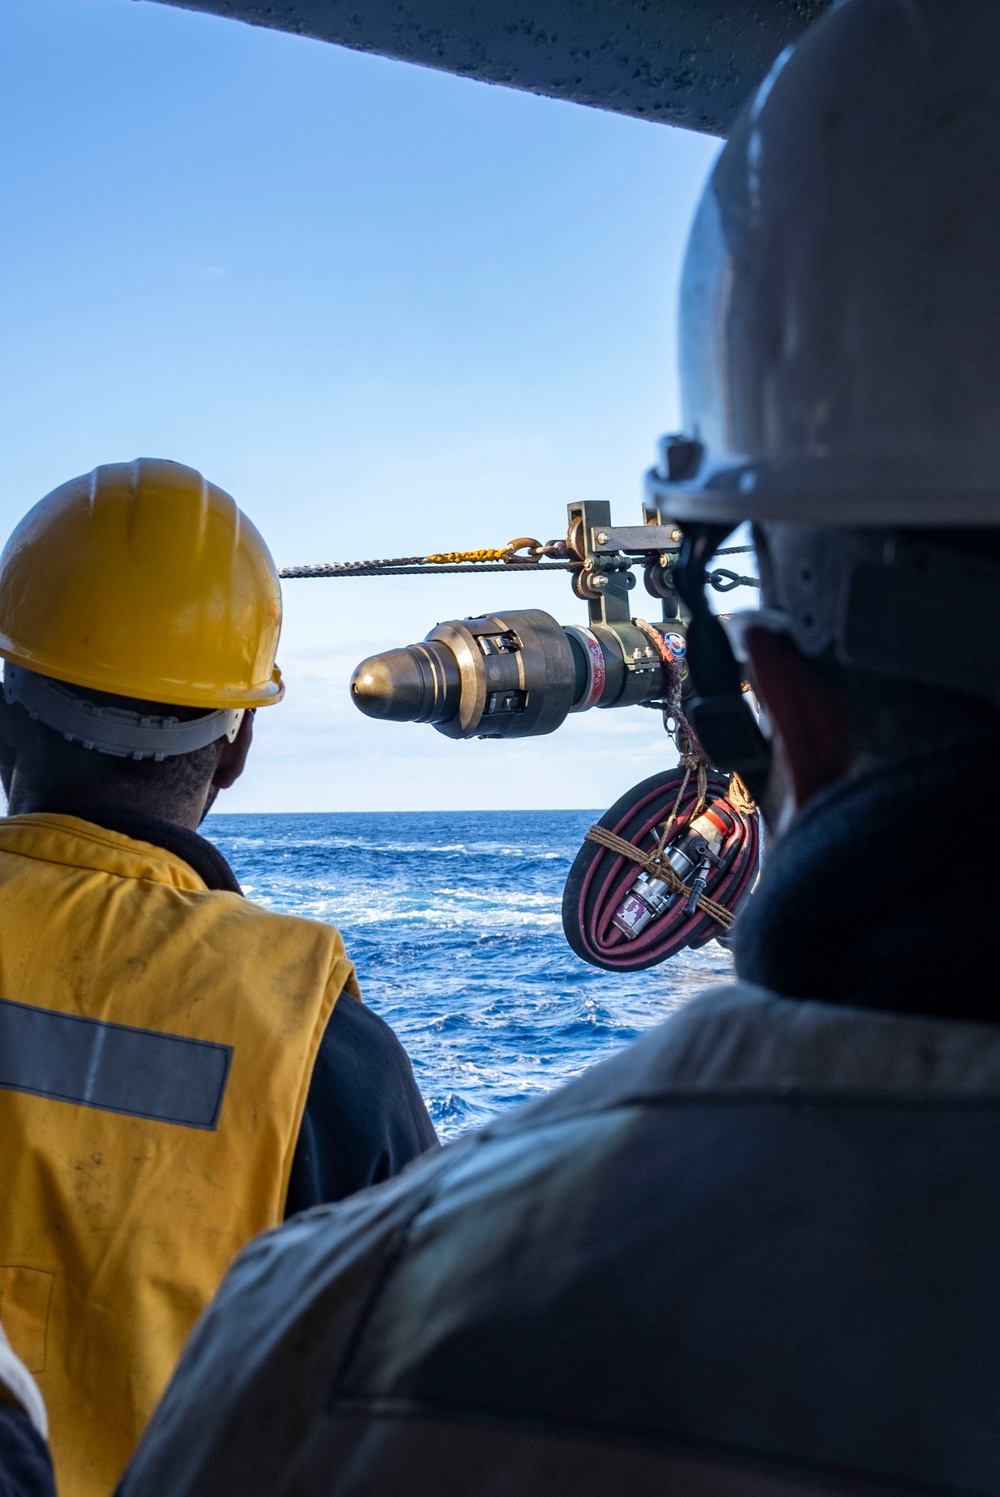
512 675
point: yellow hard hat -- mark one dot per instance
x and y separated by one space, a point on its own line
144 580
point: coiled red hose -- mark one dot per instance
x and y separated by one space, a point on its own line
599 879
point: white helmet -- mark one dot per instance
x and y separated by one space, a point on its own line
840 315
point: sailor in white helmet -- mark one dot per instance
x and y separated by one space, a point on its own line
757 1251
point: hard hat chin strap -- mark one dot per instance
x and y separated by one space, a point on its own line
118 731
718 711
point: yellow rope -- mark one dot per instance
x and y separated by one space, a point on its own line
453 558
527 543
658 869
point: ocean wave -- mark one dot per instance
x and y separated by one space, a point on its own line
489 912
453 922
288 849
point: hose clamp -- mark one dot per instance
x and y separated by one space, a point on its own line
597 671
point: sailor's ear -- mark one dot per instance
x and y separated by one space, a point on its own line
234 755
810 714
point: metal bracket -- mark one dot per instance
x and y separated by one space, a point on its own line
605 587
607 539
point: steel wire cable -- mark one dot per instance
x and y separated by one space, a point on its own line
415 566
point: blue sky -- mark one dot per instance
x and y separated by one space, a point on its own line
389 310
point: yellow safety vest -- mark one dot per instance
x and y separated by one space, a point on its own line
157 1040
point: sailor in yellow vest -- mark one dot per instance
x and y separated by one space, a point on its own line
179 1068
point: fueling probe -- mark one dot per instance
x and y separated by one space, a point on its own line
671 863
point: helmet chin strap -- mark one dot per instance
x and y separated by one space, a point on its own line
718 712
118 731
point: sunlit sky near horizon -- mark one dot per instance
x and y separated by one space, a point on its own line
391 311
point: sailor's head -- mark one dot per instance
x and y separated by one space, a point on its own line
840 371
139 619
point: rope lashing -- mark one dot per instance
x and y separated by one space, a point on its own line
690 762
657 867
740 796
683 733
637 837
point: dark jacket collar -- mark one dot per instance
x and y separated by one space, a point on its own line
883 892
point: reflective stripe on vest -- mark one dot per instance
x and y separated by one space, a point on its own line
157 1041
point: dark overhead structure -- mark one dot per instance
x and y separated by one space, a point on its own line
680 62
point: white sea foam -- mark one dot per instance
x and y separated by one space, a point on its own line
243 844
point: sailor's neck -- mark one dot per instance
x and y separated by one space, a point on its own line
25 800
880 893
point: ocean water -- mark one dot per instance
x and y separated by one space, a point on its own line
452 920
